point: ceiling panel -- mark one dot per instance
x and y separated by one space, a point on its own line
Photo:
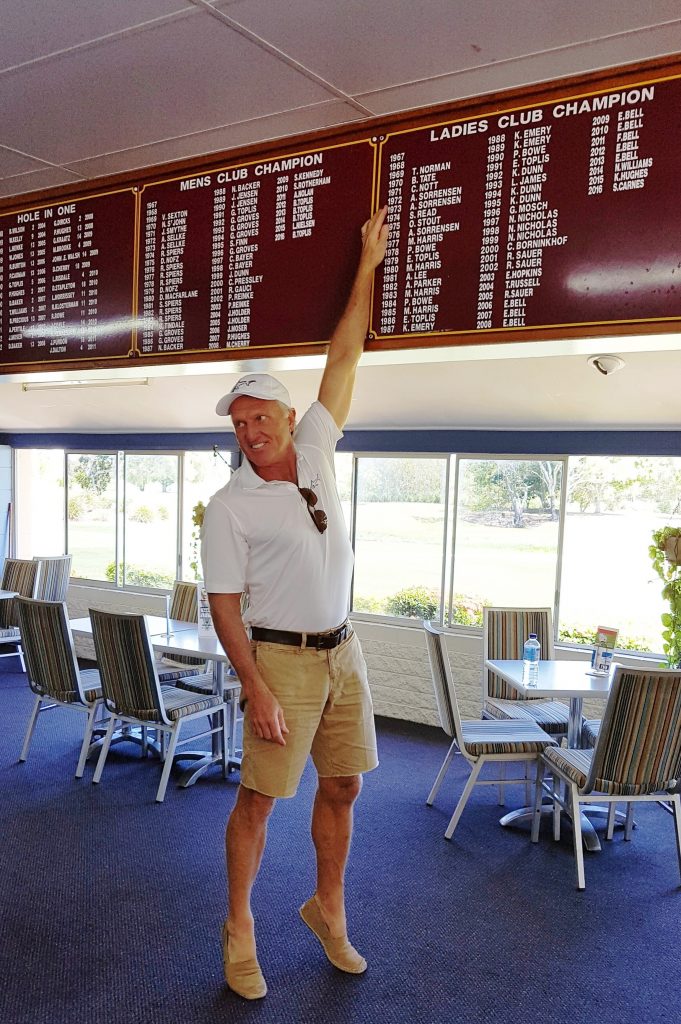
363 46
538 67
289 122
16 163
31 29
182 76
48 177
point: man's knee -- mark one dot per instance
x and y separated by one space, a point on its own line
342 789
253 807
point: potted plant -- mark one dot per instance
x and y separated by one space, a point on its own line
665 554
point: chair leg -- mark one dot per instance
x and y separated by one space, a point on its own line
676 810
536 816
501 798
106 743
528 787
87 740
441 774
31 728
629 822
612 811
20 652
577 836
555 787
168 763
463 799
224 736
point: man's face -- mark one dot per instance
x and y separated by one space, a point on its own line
263 430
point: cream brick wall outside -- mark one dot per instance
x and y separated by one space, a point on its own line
397 661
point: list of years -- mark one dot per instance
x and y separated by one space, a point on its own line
520 219
60 285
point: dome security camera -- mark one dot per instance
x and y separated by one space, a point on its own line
606 364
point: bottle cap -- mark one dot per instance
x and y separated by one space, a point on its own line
533 636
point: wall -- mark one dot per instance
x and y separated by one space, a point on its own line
5 495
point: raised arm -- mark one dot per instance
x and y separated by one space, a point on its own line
347 341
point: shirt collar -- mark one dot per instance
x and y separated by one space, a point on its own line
250 480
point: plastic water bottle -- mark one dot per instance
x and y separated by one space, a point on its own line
531 654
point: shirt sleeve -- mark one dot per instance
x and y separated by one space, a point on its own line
224 550
319 429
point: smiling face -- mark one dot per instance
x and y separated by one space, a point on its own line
263 430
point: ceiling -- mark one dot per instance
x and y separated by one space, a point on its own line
93 87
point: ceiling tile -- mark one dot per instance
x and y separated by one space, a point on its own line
527 70
16 163
50 177
362 47
32 29
182 76
290 122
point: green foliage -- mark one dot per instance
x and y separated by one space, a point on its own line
77 506
670 574
418 480
414 603
135 577
466 611
510 487
142 514
374 605
162 512
93 472
587 636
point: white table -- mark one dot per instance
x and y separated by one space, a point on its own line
559 679
184 639
5 595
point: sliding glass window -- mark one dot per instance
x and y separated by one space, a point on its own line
91 491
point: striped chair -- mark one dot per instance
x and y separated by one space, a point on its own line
176 667
133 694
53 577
478 742
504 631
53 672
637 756
19 575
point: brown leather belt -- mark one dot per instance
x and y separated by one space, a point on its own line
317 641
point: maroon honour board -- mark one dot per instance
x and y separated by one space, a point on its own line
252 255
545 216
67 280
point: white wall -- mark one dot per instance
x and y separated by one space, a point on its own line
5 494
399 673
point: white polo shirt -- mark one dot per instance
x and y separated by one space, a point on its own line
258 538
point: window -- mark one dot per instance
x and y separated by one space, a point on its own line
150 520
506 535
399 536
613 507
92 488
204 474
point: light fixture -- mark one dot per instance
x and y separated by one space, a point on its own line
606 364
69 385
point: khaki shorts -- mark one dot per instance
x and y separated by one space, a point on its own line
328 712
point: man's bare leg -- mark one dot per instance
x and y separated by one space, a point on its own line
324 913
245 843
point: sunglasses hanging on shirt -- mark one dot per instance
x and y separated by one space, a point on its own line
318 515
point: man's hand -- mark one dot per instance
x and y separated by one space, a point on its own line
266 715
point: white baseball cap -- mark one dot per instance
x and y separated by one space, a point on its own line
254 385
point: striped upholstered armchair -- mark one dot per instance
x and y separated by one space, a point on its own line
478 742
133 694
504 631
53 672
184 606
637 756
53 577
19 575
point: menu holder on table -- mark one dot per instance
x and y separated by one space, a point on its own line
601 657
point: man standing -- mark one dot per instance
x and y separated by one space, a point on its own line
276 532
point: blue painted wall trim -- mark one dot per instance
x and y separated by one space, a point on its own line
495 442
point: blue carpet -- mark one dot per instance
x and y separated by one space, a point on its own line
111 905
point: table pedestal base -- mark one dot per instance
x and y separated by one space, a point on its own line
589 834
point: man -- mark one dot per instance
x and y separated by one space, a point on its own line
276 532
